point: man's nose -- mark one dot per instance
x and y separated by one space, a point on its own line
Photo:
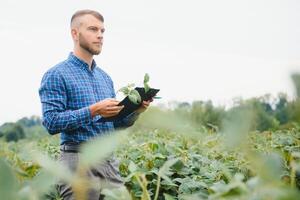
100 34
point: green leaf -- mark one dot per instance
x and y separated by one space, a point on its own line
147 87
134 97
127 89
253 182
219 187
168 197
42 181
132 167
120 193
239 177
124 90
54 167
8 181
189 186
165 170
131 85
146 78
101 148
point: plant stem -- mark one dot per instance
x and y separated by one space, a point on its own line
293 172
157 187
145 191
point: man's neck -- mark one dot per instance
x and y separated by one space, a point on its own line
85 56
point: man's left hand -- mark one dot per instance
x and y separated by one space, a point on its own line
144 106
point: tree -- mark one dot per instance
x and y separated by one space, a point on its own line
262 117
281 109
296 81
205 114
12 132
30 122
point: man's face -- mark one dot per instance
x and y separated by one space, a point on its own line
90 34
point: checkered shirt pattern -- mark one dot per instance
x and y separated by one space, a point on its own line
67 90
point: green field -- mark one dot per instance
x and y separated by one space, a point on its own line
165 157
190 151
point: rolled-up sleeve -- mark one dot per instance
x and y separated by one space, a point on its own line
53 96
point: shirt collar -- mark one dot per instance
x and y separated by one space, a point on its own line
79 62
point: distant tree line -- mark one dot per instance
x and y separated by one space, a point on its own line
27 127
267 113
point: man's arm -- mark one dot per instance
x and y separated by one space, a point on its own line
56 117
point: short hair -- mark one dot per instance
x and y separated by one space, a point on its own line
80 13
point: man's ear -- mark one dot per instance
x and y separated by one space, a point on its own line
75 34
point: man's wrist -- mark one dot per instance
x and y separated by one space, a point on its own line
93 110
84 115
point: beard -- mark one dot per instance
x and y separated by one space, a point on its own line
86 46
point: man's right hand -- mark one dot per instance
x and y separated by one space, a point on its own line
106 108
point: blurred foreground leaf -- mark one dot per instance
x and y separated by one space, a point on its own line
101 148
116 194
8 182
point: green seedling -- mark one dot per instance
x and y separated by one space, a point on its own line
132 93
146 80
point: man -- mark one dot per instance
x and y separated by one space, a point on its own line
75 94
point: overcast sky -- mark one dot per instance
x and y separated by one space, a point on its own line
192 50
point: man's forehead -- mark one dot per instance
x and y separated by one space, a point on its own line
89 20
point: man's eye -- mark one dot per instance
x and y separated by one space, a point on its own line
93 29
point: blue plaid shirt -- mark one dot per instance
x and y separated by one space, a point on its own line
67 90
